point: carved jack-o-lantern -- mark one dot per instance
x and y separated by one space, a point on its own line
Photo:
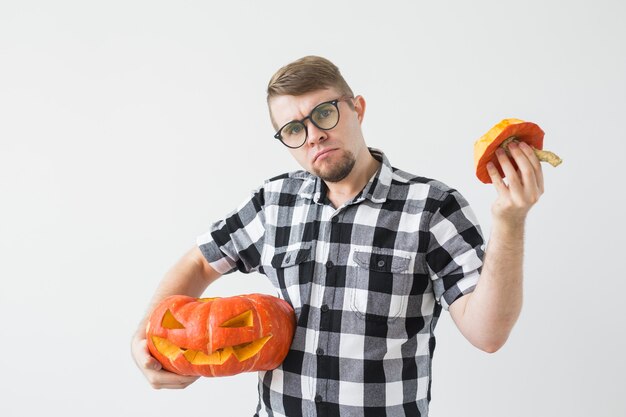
220 336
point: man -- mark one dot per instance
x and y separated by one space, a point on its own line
368 255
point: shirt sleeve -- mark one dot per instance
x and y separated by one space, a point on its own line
236 242
455 250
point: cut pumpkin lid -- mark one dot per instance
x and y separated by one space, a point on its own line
501 135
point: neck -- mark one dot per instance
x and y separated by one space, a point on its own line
349 187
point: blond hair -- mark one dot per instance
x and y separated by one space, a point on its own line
310 73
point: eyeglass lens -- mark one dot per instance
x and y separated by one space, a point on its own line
325 116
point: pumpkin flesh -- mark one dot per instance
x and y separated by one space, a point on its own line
485 147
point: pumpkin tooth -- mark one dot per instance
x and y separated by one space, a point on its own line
196 357
190 355
165 347
225 354
248 350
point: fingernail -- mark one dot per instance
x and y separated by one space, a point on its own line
524 145
491 166
513 145
500 152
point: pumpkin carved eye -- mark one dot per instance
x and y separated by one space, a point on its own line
242 320
170 322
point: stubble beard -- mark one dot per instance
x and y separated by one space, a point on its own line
338 171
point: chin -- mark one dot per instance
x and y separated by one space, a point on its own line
339 170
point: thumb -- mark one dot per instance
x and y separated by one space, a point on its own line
151 362
142 356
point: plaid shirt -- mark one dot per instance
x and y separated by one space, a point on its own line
367 281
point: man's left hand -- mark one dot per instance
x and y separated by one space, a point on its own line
524 187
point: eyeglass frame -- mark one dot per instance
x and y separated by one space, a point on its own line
334 102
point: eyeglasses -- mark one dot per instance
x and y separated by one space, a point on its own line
324 116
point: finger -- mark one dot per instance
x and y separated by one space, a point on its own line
172 385
515 183
153 364
170 380
145 359
496 179
150 362
529 181
535 162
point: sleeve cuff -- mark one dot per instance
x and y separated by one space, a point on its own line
214 256
464 286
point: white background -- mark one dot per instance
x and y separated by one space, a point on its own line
127 127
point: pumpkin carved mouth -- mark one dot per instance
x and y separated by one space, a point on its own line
218 357
241 352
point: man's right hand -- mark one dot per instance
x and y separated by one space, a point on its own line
152 369
190 276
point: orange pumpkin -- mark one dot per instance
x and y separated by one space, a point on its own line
220 336
509 130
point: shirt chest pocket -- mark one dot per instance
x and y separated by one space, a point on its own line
287 259
291 272
381 285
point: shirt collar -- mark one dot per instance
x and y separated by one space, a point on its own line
376 190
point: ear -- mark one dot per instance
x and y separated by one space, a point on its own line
359 107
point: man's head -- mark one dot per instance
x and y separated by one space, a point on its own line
307 74
294 92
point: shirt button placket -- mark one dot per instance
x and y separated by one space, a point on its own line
325 323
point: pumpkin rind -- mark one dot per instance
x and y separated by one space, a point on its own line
485 147
220 336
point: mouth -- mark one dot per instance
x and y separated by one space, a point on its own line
242 352
322 154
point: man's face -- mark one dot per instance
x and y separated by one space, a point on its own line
328 154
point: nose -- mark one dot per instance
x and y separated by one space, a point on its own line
314 133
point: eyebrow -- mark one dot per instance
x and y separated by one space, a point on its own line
300 120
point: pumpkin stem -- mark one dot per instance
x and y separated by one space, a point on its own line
549 157
543 155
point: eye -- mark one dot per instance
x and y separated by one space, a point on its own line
324 111
243 320
293 129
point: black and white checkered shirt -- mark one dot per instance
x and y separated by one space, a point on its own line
367 280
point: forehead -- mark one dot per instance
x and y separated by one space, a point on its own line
287 108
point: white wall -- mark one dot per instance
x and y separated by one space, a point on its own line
127 127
